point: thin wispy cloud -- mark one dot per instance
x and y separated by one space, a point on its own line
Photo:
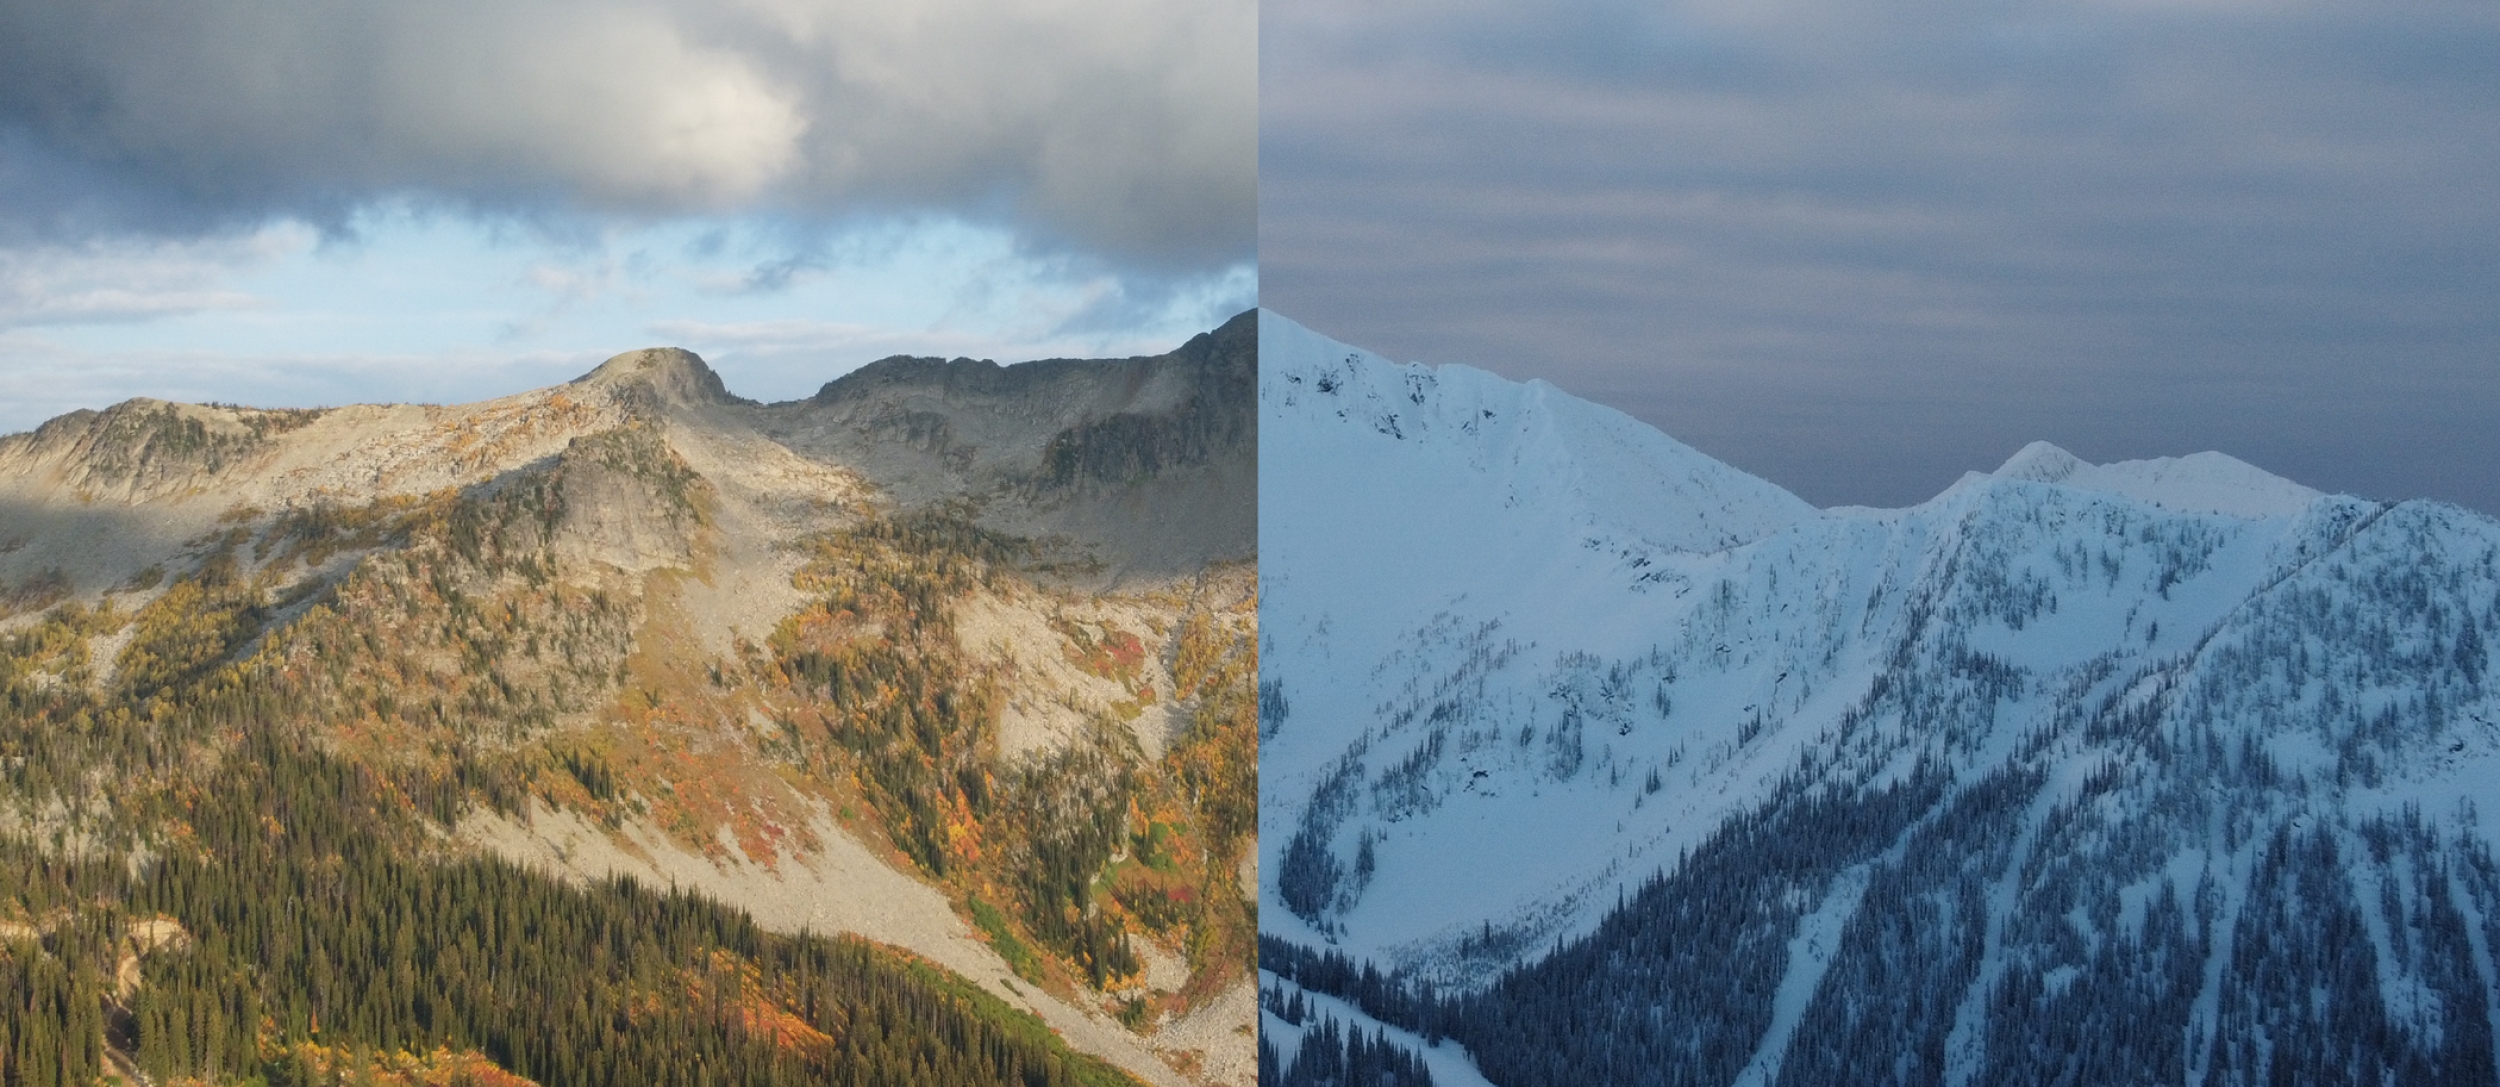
118 280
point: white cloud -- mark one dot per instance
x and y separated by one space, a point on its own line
621 105
1126 126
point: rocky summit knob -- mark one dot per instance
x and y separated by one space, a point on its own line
670 375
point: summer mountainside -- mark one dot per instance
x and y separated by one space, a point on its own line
627 731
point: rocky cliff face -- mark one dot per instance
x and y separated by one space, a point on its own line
1152 461
976 635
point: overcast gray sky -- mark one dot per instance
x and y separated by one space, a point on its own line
282 200
1860 246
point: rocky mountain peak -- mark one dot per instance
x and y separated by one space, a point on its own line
670 375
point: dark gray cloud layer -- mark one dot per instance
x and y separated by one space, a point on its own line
1859 248
1125 127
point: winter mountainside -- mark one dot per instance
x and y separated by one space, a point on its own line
356 744
1598 761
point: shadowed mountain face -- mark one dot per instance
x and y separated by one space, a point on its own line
1153 460
953 655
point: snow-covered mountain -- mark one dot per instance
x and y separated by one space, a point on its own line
1623 766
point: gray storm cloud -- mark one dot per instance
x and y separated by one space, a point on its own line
1126 126
1860 246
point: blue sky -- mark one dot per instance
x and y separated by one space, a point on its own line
320 201
1861 246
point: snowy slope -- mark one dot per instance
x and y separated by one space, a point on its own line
1467 495
1548 692
2201 482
